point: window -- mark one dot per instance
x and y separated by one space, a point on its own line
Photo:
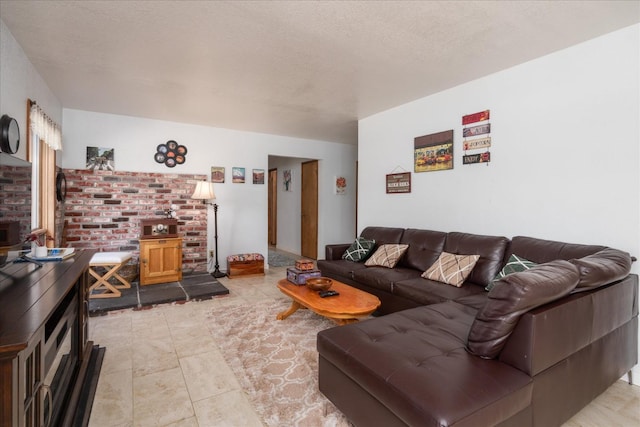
44 138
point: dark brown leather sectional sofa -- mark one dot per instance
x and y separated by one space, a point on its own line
531 352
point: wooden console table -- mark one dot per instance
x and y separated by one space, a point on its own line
43 334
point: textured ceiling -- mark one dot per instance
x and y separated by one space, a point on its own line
307 69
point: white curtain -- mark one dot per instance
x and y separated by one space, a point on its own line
45 128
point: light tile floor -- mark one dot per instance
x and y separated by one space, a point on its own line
163 368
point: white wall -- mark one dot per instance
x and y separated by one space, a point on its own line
20 81
565 158
242 214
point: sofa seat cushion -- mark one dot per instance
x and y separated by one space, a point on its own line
425 291
414 362
339 267
476 301
383 278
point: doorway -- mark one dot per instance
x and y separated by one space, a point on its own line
273 207
309 210
295 207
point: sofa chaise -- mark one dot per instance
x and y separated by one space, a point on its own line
532 351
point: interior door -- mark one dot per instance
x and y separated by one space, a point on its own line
273 207
309 210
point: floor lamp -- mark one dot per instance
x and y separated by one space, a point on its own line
204 191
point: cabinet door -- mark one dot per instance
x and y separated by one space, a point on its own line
30 386
161 261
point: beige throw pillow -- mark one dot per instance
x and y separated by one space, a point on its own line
386 256
451 269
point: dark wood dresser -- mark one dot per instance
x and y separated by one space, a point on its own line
45 355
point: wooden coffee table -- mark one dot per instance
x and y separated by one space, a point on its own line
350 306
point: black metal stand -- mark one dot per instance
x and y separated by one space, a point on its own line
216 272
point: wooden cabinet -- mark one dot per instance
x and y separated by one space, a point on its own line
44 352
160 260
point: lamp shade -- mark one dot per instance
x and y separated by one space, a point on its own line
204 191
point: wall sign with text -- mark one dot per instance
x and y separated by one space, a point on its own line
476 137
399 183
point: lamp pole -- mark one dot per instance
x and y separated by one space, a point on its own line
216 272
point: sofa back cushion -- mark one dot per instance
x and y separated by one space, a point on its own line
541 251
383 235
605 266
491 250
424 248
514 295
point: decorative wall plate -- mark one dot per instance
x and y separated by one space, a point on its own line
171 154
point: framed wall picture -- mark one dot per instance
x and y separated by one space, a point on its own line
258 176
287 181
237 175
433 152
340 185
217 174
99 158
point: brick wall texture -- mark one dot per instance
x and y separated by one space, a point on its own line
103 211
15 190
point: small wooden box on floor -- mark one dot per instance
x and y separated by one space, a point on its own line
245 265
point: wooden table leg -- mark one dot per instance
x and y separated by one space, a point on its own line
294 307
342 322
102 284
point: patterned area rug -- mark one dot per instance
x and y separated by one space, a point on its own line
276 362
277 259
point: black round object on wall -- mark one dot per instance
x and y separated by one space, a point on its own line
9 135
171 154
61 187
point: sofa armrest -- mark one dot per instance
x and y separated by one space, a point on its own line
333 252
